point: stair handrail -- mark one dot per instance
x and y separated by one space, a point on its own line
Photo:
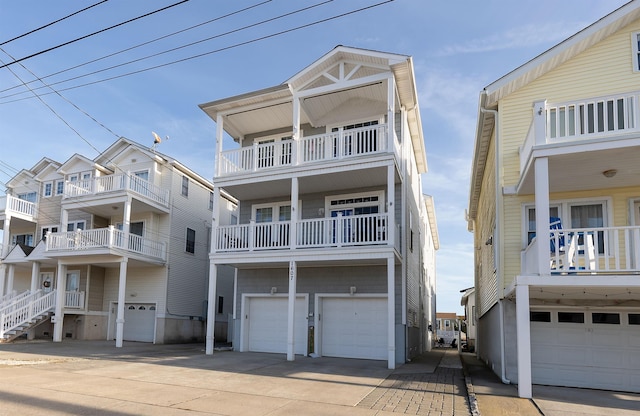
25 314
19 300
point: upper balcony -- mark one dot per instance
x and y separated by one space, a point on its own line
583 139
103 189
19 208
334 146
105 241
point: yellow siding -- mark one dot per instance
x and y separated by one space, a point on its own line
606 68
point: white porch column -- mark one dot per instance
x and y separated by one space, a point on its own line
122 286
211 309
540 121
6 239
10 277
219 139
294 213
35 275
60 295
126 220
291 308
391 313
391 112
64 219
296 131
391 196
542 214
523 334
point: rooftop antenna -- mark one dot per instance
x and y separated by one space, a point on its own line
157 140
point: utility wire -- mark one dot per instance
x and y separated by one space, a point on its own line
140 44
52 23
254 40
180 47
91 34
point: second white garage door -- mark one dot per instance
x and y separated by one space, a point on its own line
139 322
354 327
266 318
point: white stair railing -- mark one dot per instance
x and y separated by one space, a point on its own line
27 314
18 301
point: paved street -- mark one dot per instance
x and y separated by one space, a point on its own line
95 378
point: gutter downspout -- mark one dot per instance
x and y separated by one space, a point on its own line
498 236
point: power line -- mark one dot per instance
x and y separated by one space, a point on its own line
91 34
52 23
178 47
236 45
138 45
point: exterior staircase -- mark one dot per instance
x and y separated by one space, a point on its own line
23 312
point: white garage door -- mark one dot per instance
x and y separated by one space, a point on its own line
139 321
266 318
354 327
594 349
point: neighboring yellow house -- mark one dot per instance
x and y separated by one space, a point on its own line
555 211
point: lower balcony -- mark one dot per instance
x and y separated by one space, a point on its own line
602 250
310 233
81 241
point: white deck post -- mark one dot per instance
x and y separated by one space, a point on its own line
523 341
211 309
122 286
295 152
219 139
11 277
291 311
540 121
35 274
391 195
391 313
542 214
293 236
60 295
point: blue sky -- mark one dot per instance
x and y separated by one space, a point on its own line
458 47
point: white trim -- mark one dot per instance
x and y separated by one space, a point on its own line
340 126
276 209
380 194
635 39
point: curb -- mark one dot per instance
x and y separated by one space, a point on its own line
473 401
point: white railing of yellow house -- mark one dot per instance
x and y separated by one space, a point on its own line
114 183
590 250
323 147
310 233
585 119
105 238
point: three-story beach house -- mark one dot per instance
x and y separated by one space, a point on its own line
114 247
334 244
555 211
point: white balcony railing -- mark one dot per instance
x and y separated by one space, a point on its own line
105 238
592 118
10 203
74 299
38 306
324 147
310 233
589 250
115 183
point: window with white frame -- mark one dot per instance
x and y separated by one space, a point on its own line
47 189
210 201
635 43
274 151
272 212
574 214
185 186
190 246
59 187
49 228
26 239
28 196
76 225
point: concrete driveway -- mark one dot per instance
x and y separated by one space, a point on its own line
95 378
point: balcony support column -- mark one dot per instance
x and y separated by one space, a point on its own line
11 277
211 308
219 140
542 214
122 287
291 309
6 237
391 195
540 121
296 131
391 111
391 314
294 213
215 213
58 317
64 220
523 341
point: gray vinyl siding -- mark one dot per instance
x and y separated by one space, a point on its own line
188 273
96 289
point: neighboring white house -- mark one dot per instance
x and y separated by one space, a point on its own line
468 301
335 243
115 247
555 211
